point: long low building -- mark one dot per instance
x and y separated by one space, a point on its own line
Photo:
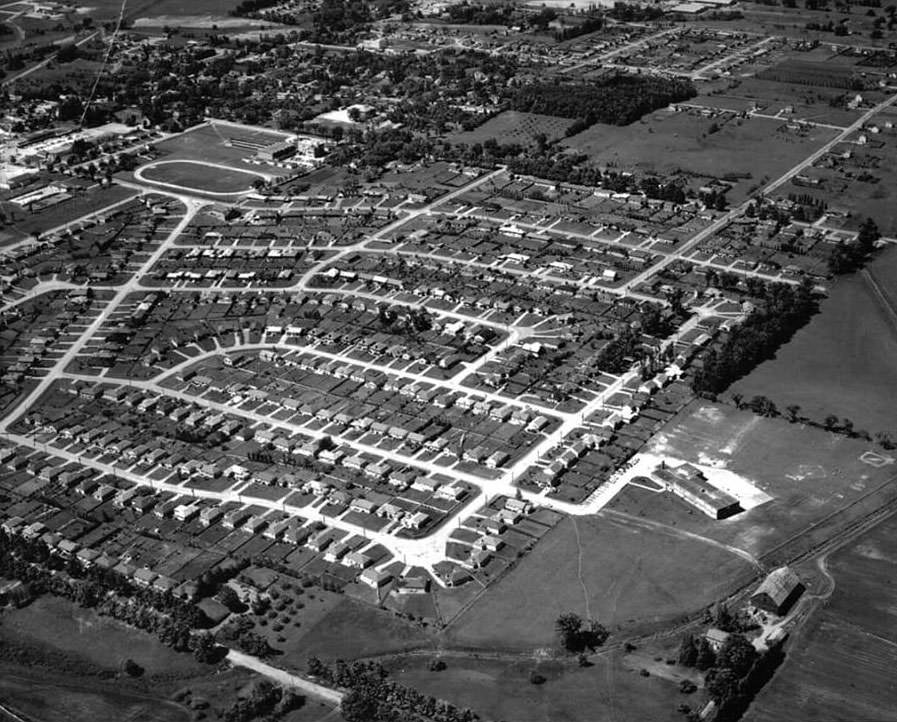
689 483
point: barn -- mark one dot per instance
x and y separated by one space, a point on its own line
778 592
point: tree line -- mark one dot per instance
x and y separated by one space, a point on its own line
372 697
172 620
782 311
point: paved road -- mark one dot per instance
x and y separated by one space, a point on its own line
28 71
131 286
769 188
283 678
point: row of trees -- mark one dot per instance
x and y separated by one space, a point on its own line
783 311
172 620
372 697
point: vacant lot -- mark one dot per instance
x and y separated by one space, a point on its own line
842 362
668 142
604 568
24 223
512 126
817 480
503 691
352 630
51 699
199 177
107 643
840 667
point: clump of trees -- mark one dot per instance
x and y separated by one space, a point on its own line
734 674
265 701
848 257
618 100
577 635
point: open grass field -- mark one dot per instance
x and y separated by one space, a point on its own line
212 145
841 665
842 362
600 567
60 624
55 699
512 126
24 223
817 480
503 691
668 142
352 630
198 177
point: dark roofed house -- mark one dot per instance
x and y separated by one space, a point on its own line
778 592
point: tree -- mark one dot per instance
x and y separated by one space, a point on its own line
736 654
205 651
132 669
830 422
688 651
722 618
706 656
568 627
721 684
357 706
793 410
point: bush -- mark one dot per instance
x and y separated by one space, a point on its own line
536 678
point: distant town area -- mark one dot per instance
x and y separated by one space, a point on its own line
447 361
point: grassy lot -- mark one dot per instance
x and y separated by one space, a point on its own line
25 223
502 690
512 126
840 666
105 642
668 142
817 480
200 177
842 362
52 698
630 576
351 630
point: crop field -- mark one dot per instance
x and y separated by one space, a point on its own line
512 126
682 142
198 177
811 474
601 567
842 362
841 666
503 691
102 9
